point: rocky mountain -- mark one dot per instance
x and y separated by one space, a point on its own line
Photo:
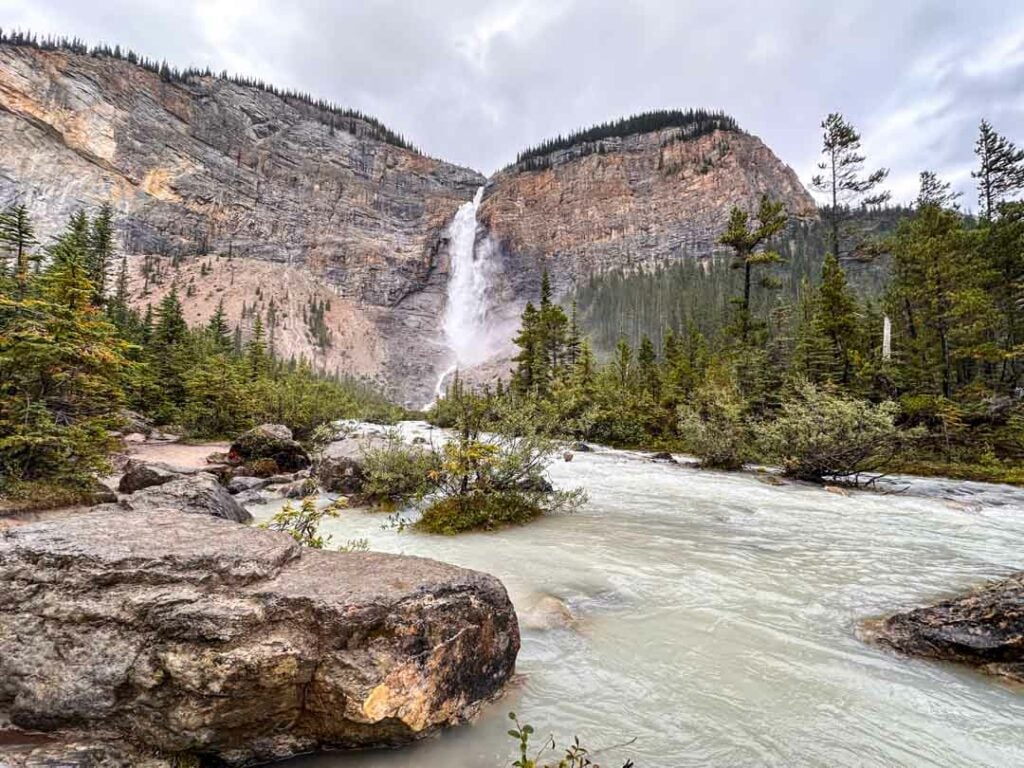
330 227
262 195
631 201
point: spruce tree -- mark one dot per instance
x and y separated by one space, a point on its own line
17 239
747 242
935 191
1000 172
218 328
101 251
836 318
842 179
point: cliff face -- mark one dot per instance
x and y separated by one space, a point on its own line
255 186
235 194
638 201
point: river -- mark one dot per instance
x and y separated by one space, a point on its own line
713 619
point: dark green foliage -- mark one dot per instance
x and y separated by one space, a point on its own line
63 369
71 358
692 122
494 478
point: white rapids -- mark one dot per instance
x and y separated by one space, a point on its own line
712 617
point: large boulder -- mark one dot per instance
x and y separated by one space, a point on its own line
194 636
340 470
139 475
984 629
196 494
272 442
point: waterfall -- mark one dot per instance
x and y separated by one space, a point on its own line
465 310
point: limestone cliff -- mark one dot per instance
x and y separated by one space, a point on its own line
235 193
266 193
630 201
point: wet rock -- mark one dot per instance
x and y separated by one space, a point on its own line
300 489
241 484
663 456
582 448
270 442
190 634
546 612
536 485
198 494
78 750
100 493
567 456
984 629
139 475
341 468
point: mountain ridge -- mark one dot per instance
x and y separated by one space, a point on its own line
236 193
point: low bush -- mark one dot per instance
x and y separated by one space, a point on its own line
821 436
715 429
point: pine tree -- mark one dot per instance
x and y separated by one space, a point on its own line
256 350
934 191
647 368
1000 171
842 180
746 242
836 318
17 238
101 251
218 329
119 307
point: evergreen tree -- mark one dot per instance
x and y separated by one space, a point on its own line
1000 172
934 191
17 238
842 179
101 251
256 350
218 328
748 253
836 320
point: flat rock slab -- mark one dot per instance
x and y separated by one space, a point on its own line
984 629
190 634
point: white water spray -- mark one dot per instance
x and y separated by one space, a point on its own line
465 311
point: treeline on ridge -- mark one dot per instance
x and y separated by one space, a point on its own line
692 122
326 112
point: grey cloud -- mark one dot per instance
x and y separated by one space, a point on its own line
473 82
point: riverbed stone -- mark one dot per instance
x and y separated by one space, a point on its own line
199 494
245 483
139 475
189 634
984 628
270 442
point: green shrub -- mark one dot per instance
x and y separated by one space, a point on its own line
397 473
302 523
485 481
714 428
820 435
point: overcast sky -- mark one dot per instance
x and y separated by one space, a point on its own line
473 81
